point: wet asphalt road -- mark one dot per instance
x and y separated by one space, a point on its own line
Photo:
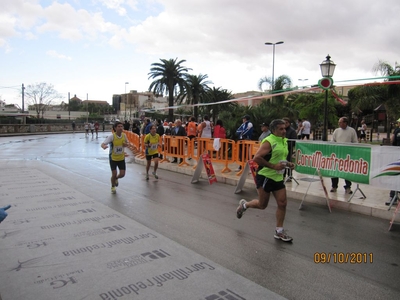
202 218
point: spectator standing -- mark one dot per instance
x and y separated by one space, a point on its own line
126 125
199 130
73 126
147 126
219 130
244 132
192 128
206 128
395 140
135 128
264 131
305 129
291 135
178 130
363 134
160 127
168 131
343 134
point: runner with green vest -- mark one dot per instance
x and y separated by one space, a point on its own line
271 159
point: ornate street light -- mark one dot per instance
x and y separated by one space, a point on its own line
327 70
273 60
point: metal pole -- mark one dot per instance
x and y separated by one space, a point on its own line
69 108
23 104
87 112
324 134
273 66
23 98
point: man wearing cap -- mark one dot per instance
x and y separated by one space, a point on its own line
244 132
395 141
265 131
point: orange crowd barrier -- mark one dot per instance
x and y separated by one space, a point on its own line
183 148
175 147
245 150
220 150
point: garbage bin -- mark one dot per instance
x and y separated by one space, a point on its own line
381 129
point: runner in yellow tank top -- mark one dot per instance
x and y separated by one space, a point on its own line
117 141
151 142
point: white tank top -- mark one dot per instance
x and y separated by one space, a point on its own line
206 130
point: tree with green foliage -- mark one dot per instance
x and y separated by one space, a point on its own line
371 96
168 76
197 87
215 95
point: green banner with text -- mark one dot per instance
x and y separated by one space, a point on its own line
334 160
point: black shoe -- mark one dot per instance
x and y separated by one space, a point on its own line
181 161
390 201
174 161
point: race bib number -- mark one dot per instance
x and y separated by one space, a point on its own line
118 150
153 146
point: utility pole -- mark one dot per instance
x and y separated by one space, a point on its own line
23 103
69 108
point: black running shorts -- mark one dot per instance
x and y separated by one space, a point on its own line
268 184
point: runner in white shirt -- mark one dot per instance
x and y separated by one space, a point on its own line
206 133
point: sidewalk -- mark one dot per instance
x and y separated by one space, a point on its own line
309 187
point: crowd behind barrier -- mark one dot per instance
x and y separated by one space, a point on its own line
223 151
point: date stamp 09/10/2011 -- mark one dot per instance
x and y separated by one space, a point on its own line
343 258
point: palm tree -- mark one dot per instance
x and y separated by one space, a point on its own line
371 96
168 75
281 83
197 87
217 95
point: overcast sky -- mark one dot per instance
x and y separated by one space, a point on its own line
94 46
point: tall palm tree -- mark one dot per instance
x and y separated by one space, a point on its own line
168 75
217 95
197 86
281 83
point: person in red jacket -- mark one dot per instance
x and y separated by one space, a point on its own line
219 130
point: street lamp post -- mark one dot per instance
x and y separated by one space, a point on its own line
302 80
126 99
273 61
327 69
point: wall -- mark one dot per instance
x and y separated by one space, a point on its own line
37 128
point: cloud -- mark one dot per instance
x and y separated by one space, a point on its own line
55 54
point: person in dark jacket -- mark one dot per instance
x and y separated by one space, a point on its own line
291 135
244 132
178 130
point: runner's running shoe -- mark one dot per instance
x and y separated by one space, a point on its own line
240 210
113 190
116 182
155 175
147 176
282 236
